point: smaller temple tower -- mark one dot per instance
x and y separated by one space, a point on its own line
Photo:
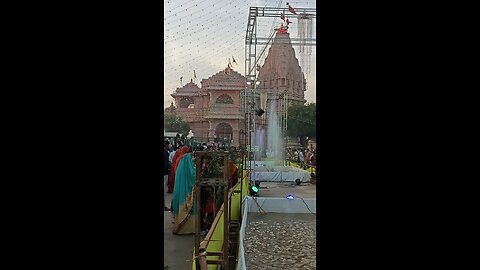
191 103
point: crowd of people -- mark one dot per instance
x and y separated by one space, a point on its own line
177 142
305 158
179 179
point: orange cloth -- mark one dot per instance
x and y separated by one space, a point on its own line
231 169
175 160
183 151
232 173
209 207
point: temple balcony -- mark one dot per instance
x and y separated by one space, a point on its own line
221 111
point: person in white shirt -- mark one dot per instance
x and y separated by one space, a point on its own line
172 153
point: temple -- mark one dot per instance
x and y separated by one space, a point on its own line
214 110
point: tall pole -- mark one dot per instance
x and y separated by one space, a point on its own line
286 122
248 113
254 129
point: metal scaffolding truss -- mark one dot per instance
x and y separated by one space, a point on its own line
251 62
252 40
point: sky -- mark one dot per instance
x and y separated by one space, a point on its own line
202 35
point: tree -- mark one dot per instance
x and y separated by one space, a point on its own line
174 123
302 121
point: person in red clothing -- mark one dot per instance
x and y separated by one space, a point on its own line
232 174
171 176
208 210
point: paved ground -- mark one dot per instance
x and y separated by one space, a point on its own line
177 249
281 190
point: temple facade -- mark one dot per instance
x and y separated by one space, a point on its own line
212 110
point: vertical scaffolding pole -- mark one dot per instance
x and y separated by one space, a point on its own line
197 210
226 215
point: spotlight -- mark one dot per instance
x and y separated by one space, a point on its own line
254 191
259 112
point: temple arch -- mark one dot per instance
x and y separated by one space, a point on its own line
224 131
224 99
186 102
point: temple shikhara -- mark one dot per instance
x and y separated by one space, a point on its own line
214 110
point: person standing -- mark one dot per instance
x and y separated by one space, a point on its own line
166 172
307 157
183 194
172 153
171 177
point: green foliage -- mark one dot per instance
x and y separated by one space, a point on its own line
302 121
174 123
214 167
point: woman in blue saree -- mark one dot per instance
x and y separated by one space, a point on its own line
183 194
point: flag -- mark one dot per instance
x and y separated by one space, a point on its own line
291 9
229 63
282 16
234 60
288 22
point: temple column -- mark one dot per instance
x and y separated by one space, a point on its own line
211 132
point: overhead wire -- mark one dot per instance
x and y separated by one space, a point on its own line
206 35
188 55
214 13
182 7
205 57
191 41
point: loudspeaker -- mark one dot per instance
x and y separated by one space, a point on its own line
259 112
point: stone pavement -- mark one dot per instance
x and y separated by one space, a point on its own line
177 249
